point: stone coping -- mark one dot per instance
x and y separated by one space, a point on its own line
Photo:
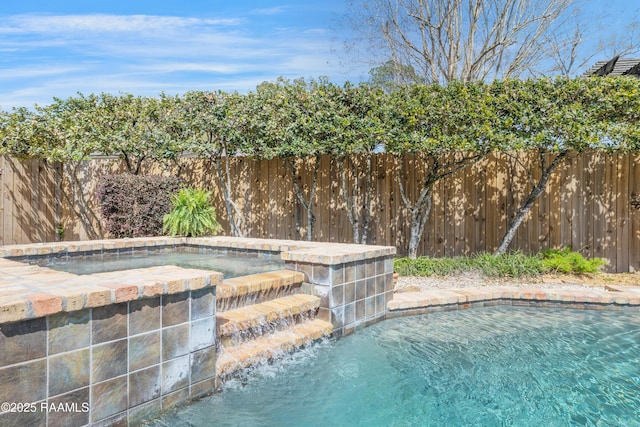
611 296
29 291
291 250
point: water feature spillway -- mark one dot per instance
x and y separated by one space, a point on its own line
128 344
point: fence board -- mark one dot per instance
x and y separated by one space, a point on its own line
610 217
634 212
567 189
501 191
622 211
588 203
7 210
599 206
540 233
554 193
459 212
578 206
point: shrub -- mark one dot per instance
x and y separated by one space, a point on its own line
509 265
134 205
567 261
514 264
192 214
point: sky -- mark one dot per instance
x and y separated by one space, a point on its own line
57 48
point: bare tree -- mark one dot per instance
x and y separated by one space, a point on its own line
463 40
581 38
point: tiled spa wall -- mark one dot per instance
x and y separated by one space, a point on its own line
353 294
109 365
117 348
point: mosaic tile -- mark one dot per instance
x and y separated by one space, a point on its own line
337 296
78 402
109 360
203 333
388 265
26 382
337 316
370 284
175 341
175 374
380 284
139 414
19 419
337 274
349 313
322 292
144 385
360 310
144 315
22 341
203 388
175 309
69 371
381 305
349 272
144 350
109 323
108 398
360 270
321 274
361 289
203 364
349 292
172 399
203 303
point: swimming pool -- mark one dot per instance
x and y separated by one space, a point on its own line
485 366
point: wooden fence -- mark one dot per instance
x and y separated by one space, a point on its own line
592 203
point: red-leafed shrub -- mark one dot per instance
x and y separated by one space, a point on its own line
134 205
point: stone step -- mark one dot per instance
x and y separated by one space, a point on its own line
245 323
232 359
257 288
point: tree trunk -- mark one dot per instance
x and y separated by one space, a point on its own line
421 208
224 181
528 202
366 204
419 217
358 203
307 204
352 213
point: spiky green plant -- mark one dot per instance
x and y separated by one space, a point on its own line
192 214
567 261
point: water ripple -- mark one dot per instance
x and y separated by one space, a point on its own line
495 366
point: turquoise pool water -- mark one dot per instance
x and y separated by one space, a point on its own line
492 366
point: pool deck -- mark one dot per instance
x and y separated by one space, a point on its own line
30 291
613 296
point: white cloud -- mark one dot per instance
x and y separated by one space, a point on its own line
269 11
98 23
61 55
31 72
